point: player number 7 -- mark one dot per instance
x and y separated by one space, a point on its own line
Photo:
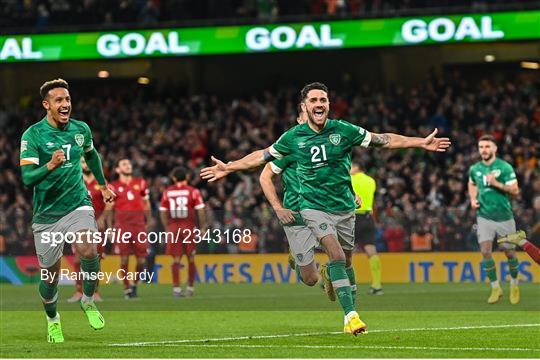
68 148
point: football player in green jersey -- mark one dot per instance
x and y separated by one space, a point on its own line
302 241
50 163
322 149
492 181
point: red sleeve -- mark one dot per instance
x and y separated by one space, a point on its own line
164 204
198 202
145 192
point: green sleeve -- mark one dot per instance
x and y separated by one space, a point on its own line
282 147
34 174
509 175
94 163
357 135
471 178
279 165
88 140
29 153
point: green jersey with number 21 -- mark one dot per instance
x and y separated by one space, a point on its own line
323 163
494 204
63 190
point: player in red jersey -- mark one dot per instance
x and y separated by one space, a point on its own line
99 205
178 206
133 214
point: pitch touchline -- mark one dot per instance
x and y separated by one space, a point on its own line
187 341
354 347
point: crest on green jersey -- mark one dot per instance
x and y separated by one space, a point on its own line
496 172
335 138
79 139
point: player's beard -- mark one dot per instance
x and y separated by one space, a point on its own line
487 157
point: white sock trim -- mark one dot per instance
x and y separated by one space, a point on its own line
514 281
86 299
341 283
495 284
54 319
350 314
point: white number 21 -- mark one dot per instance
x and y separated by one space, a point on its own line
316 151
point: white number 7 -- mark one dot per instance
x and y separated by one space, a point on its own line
67 147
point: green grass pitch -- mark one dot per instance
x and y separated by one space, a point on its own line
287 321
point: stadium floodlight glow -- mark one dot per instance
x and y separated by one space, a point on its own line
143 80
531 65
489 58
103 74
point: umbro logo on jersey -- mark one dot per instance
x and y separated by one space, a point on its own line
50 144
478 173
24 145
335 138
301 145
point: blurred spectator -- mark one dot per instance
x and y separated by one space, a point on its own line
42 14
422 239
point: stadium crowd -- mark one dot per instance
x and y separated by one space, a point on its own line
44 14
420 196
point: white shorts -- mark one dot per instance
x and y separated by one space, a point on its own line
302 243
488 230
340 225
79 219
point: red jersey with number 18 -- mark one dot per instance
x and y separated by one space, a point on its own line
181 201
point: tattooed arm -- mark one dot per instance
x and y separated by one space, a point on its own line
395 141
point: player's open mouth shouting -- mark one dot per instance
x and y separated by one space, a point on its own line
319 114
64 113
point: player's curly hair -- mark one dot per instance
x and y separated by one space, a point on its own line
313 86
52 84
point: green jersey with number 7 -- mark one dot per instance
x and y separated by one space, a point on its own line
63 190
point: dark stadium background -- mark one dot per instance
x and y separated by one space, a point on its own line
228 105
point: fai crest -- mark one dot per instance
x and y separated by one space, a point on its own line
496 172
335 139
323 226
79 139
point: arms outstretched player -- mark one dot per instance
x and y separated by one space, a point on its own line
322 148
50 163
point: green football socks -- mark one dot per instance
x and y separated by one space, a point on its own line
91 268
489 268
49 295
341 284
352 280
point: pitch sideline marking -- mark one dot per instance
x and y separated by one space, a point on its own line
188 341
354 347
